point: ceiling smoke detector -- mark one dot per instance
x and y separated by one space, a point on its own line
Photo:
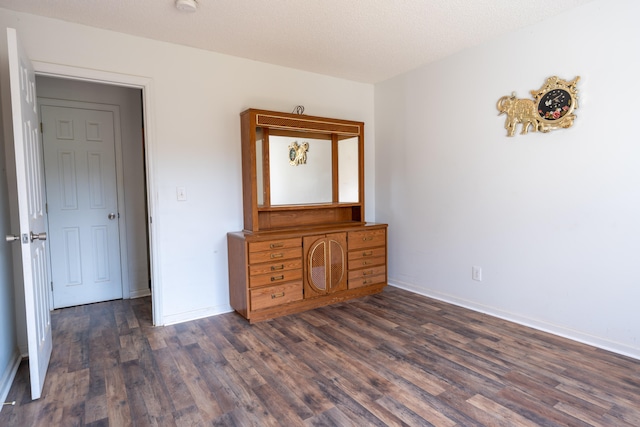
187 5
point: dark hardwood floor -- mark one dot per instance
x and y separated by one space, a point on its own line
391 359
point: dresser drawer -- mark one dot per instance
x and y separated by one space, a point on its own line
367 272
275 267
366 239
275 244
275 278
275 295
275 255
366 262
366 281
367 253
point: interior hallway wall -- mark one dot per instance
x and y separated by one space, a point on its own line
9 353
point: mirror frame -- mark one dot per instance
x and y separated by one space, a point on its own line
264 217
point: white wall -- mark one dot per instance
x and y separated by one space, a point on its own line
130 104
553 219
9 354
198 97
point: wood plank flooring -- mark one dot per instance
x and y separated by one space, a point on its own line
395 359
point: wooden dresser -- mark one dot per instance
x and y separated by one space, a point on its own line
305 243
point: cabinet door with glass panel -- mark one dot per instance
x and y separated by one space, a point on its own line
325 264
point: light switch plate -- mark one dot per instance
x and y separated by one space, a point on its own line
181 194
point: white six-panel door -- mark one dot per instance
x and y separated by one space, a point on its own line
32 215
80 167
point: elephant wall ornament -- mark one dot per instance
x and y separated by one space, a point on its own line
552 107
518 110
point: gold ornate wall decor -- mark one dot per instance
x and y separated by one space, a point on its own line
552 107
518 111
298 153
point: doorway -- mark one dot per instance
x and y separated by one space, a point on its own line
132 208
84 198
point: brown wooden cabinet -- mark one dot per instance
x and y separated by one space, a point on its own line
305 242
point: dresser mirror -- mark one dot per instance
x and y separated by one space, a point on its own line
348 180
306 181
296 183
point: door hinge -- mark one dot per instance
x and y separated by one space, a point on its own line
46 208
41 127
52 286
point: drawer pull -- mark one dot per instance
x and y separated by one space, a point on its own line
280 255
367 273
274 278
277 267
276 245
279 295
366 282
367 253
366 238
366 262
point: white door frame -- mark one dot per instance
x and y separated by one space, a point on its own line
148 106
122 214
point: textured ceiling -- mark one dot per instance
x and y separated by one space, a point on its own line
362 40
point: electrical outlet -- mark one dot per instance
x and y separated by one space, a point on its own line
476 273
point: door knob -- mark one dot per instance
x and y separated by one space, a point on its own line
38 236
111 216
12 237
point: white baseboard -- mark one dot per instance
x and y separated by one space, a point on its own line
559 330
196 314
139 293
6 380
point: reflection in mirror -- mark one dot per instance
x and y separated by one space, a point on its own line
303 183
348 170
259 170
